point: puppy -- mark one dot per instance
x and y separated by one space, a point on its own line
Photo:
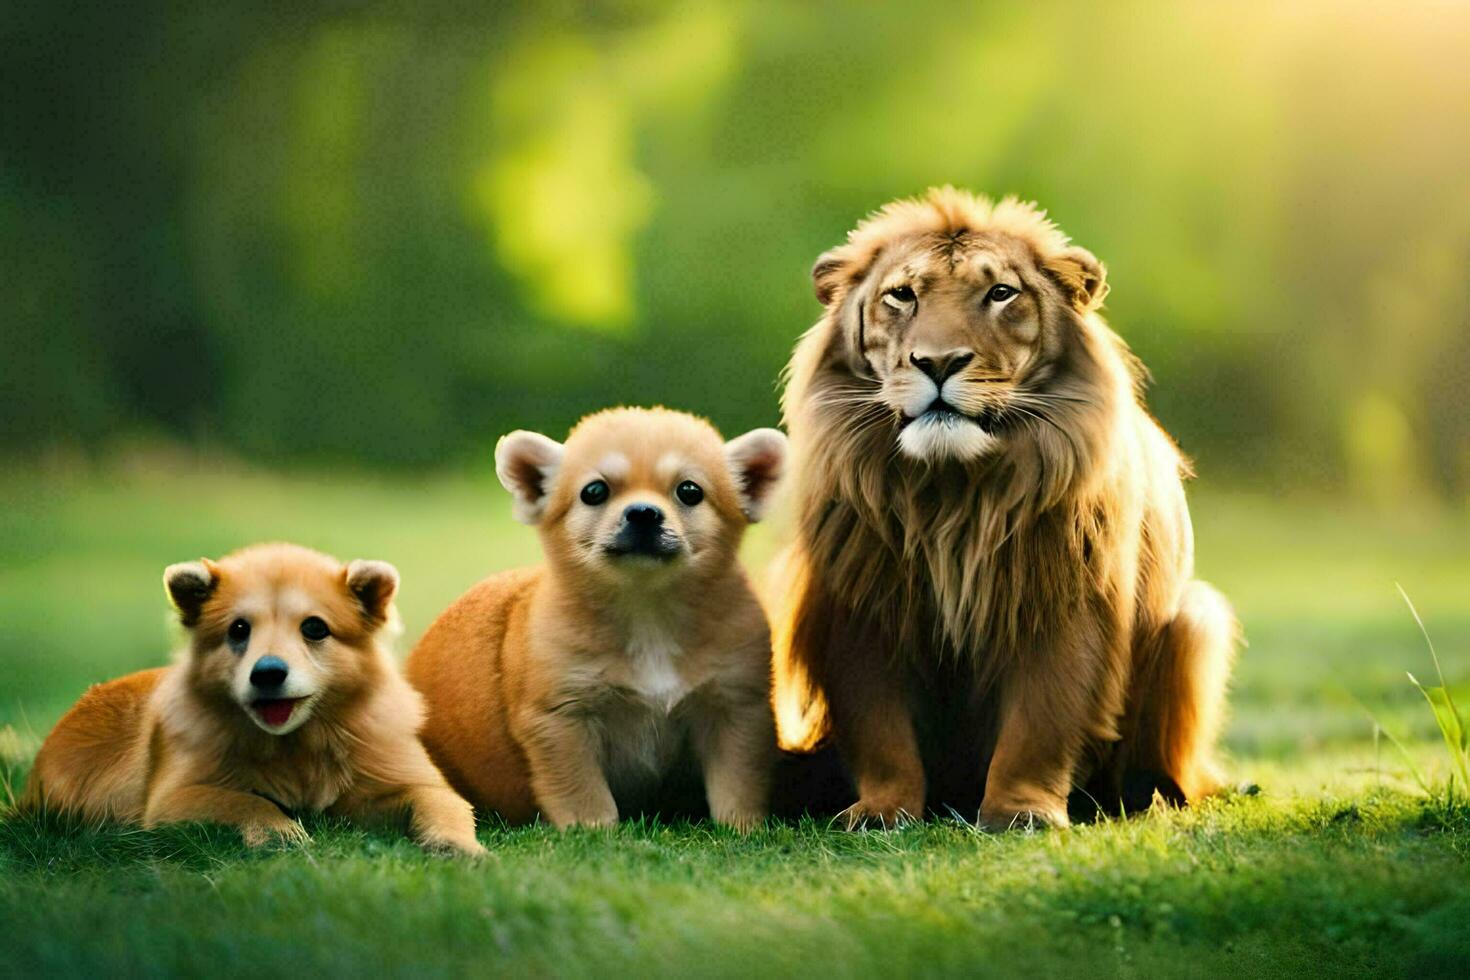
284 700
638 650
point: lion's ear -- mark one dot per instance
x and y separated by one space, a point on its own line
826 274
526 463
836 269
756 460
1082 275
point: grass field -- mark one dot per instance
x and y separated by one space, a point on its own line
1339 865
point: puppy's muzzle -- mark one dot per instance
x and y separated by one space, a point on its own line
642 533
268 682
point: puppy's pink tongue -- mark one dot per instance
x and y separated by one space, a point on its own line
277 712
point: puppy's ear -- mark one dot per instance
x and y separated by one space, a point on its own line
526 463
374 584
757 460
189 585
1082 275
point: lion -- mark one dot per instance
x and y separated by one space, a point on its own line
990 598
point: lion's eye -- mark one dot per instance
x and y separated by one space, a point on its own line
689 493
899 295
314 628
595 493
1000 292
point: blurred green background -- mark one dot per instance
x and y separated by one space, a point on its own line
289 269
386 232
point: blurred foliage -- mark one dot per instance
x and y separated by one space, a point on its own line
389 231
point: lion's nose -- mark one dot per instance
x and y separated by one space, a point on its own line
941 367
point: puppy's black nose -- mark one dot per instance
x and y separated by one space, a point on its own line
644 515
269 672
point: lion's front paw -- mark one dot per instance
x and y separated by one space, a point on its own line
882 813
1037 816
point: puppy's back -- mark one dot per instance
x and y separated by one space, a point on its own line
94 763
459 668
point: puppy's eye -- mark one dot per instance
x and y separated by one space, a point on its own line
1000 292
595 493
899 296
314 628
689 493
239 632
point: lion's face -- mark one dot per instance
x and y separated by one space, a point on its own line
950 333
960 330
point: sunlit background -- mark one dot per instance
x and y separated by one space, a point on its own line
289 269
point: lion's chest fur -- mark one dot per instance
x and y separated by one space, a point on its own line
966 575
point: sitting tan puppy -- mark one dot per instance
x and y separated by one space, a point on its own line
579 687
285 700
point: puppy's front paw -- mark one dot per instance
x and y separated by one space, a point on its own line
454 846
742 820
285 831
592 818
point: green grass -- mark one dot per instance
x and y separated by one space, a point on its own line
1339 865
1249 886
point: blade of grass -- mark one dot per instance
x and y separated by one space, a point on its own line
1433 654
1379 727
1449 726
1448 719
1408 760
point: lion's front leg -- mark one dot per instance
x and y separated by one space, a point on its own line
1046 711
874 729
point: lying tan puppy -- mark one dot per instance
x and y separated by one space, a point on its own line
578 686
285 700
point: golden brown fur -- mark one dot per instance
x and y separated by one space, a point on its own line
575 689
990 597
191 741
